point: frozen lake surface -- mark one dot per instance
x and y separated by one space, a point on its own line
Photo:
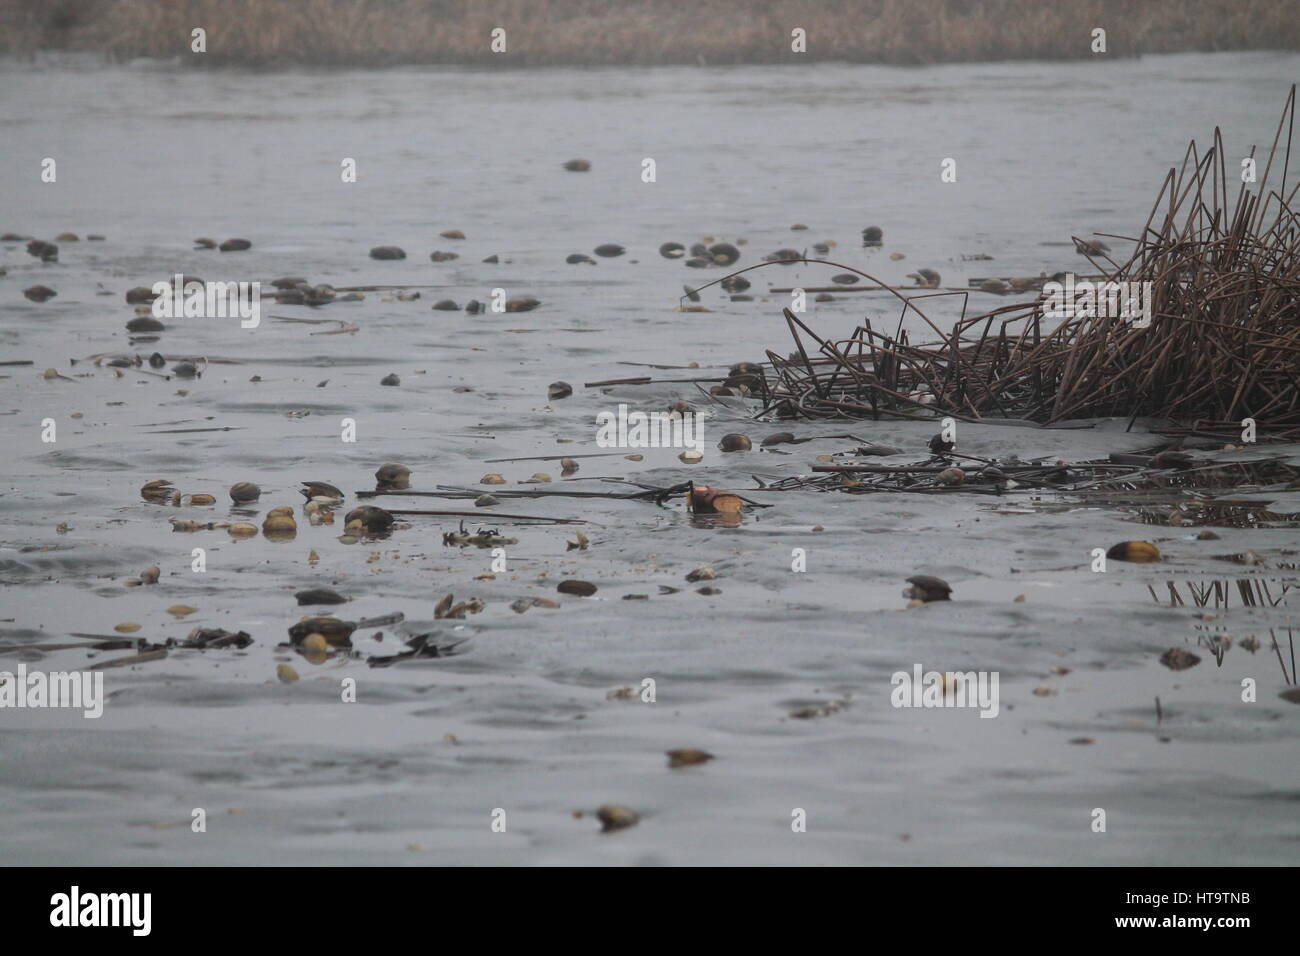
412 772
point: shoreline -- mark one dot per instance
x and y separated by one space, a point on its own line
569 33
87 60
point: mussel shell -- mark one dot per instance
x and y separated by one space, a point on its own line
926 587
320 596
319 489
724 253
335 631
373 519
393 474
244 491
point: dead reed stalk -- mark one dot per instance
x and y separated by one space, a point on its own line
1223 343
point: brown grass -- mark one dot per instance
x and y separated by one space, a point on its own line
645 32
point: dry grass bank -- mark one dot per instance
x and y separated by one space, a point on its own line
600 32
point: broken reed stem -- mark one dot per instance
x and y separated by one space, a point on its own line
495 515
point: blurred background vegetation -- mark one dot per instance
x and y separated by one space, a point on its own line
268 33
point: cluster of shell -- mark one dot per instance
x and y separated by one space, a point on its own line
280 523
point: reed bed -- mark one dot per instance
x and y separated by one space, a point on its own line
1223 343
271 33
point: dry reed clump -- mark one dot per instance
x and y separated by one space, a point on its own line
638 32
1223 261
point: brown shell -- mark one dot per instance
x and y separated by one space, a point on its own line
704 500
